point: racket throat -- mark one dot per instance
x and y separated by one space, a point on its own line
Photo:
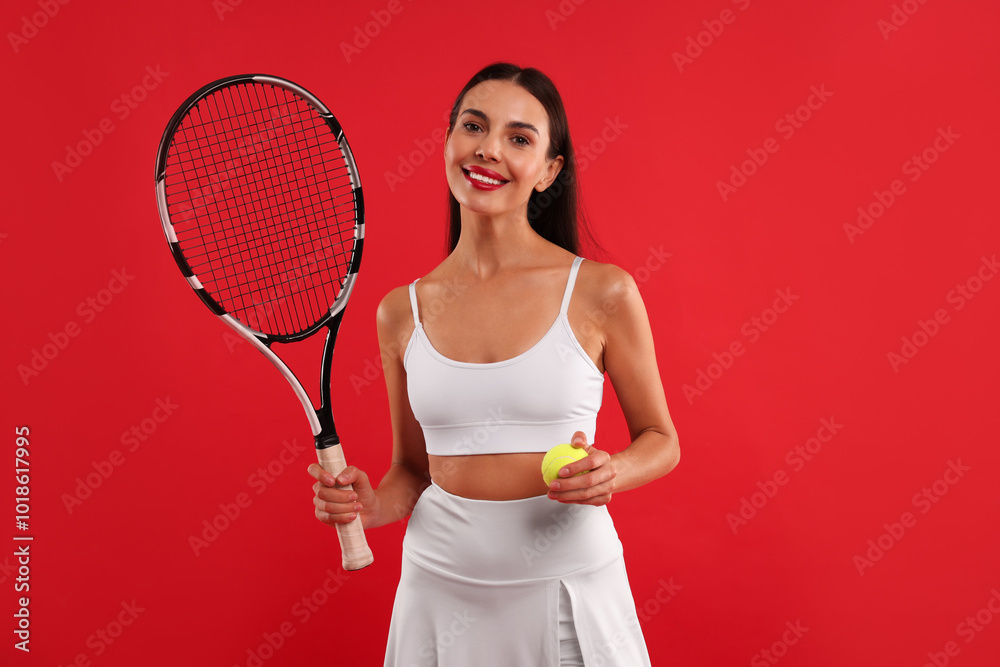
328 433
327 436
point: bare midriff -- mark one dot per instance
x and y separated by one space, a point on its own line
490 476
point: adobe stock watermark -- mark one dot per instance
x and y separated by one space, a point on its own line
656 259
546 537
695 45
786 126
409 161
121 108
778 649
608 646
373 368
797 458
302 611
923 500
223 7
365 33
103 637
431 650
132 439
41 356
258 481
958 297
8 569
898 17
471 442
587 154
32 23
404 507
218 174
562 12
596 319
278 300
968 629
752 329
666 592
914 167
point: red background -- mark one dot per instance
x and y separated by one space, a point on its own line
707 594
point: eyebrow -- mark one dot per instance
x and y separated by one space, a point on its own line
516 124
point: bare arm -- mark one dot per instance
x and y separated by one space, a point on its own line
408 475
630 362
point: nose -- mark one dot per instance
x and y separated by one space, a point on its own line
489 147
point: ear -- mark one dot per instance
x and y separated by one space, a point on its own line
552 170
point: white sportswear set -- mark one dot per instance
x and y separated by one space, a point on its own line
517 583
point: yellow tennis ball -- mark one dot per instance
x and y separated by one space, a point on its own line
558 457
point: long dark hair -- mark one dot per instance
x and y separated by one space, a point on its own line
555 213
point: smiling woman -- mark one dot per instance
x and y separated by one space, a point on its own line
499 136
553 216
500 568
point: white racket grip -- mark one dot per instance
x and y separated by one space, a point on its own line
353 545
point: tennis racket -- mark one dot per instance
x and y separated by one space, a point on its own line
261 203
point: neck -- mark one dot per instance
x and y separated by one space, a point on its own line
491 244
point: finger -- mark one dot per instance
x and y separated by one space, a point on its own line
334 495
586 464
597 494
336 508
596 501
355 477
321 475
588 479
579 439
332 519
348 475
594 460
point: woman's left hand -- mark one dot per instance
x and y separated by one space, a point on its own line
592 488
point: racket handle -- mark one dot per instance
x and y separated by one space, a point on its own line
353 545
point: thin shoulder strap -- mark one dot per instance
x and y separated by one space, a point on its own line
569 285
413 302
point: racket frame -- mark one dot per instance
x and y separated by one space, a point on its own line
356 553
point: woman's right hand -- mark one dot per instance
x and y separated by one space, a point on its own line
335 505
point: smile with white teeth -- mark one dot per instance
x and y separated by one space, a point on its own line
484 179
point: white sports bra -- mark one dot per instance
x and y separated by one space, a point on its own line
528 403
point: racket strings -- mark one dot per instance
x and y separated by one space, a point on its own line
263 206
273 179
288 205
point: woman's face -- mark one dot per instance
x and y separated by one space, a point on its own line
496 154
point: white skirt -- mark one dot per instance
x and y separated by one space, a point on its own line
481 581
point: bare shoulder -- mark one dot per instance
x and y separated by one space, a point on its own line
394 318
607 287
394 307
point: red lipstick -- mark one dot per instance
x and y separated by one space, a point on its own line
482 173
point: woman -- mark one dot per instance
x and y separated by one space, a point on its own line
491 359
